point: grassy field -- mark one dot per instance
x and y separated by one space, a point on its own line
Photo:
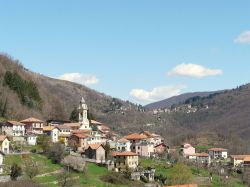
46 166
94 172
91 179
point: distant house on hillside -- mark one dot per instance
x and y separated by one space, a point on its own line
4 144
203 158
134 139
124 160
64 133
96 152
79 141
15 130
238 160
216 153
123 145
161 148
187 149
34 125
31 138
53 132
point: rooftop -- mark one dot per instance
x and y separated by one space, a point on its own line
125 153
247 159
239 157
31 119
217 149
94 146
49 128
123 140
2 138
15 123
81 135
135 136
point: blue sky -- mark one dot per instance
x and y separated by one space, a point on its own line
142 51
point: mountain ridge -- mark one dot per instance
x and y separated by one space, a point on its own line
175 100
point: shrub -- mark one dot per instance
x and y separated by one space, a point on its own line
33 150
115 178
15 171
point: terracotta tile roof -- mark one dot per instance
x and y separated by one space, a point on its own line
72 124
247 159
15 123
49 128
217 149
63 127
161 144
123 140
94 146
81 135
239 157
31 119
125 153
80 131
2 138
202 154
135 136
184 185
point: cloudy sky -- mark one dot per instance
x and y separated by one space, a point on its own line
143 51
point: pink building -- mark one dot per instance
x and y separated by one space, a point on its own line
188 149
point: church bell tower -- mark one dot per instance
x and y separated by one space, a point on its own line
83 115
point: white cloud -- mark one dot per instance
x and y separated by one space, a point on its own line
156 94
84 79
193 70
244 37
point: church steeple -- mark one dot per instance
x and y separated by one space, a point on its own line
83 115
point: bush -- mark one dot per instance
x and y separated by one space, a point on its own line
115 178
56 152
15 172
33 150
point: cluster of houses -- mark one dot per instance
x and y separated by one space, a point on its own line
185 108
90 138
215 154
96 142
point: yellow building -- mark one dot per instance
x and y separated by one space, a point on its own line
125 160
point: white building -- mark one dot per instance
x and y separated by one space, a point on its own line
123 145
1 161
238 160
216 153
83 115
31 139
33 125
13 128
53 132
4 144
95 138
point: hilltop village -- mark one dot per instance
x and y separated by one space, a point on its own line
94 142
